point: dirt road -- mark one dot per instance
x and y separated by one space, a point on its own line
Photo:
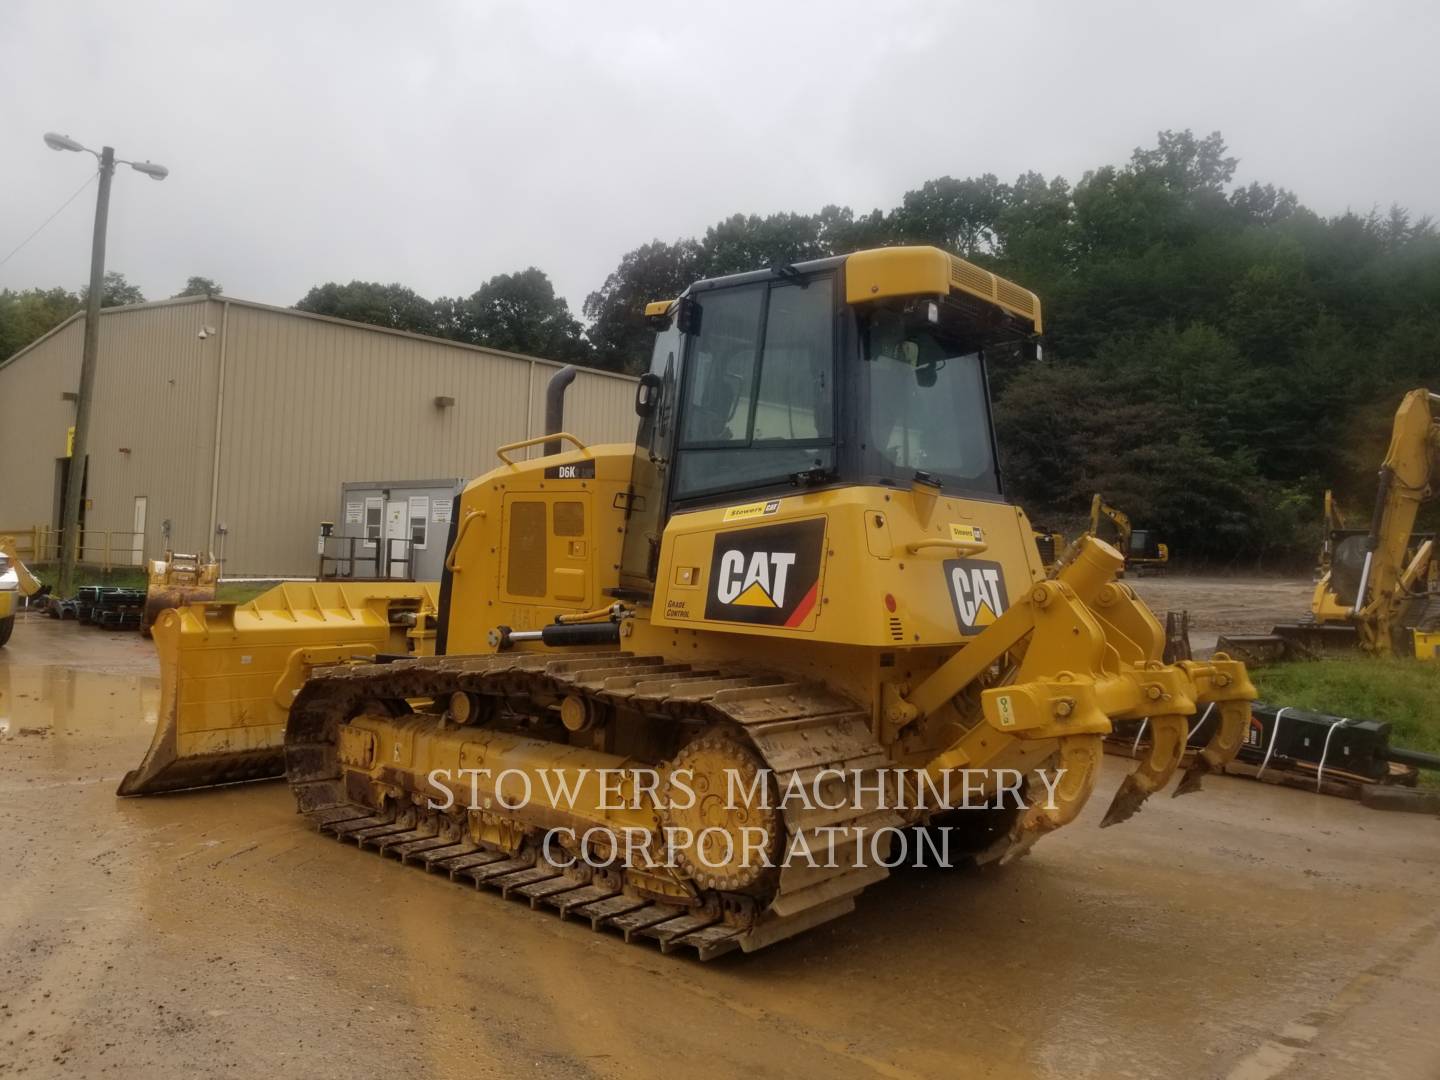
1242 605
1242 932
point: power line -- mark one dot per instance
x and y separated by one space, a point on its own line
49 219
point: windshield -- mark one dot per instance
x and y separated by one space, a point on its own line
926 407
759 390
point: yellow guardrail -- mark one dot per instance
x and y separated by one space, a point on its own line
103 548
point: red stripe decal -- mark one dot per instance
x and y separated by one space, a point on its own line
804 607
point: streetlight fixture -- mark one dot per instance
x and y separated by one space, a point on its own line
75 480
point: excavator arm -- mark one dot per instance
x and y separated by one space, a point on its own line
1395 584
1407 479
1100 510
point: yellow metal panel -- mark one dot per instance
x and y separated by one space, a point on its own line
856 570
882 273
897 271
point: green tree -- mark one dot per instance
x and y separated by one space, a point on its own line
393 306
200 286
962 216
616 310
517 312
30 314
117 292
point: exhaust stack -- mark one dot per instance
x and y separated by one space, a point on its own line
555 405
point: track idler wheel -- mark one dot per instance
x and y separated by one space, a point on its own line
728 835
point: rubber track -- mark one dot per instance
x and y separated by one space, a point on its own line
794 728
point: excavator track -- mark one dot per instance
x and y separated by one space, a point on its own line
792 728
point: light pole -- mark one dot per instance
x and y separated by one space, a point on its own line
75 480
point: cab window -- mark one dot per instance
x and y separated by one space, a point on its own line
759 396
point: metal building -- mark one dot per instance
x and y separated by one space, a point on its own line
237 424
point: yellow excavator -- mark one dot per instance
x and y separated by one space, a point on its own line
15 581
700 687
1379 588
1142 548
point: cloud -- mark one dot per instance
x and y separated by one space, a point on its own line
437 145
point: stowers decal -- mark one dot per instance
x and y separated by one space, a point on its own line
977 593
768 575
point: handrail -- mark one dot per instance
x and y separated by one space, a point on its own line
536 441
965 547
465 523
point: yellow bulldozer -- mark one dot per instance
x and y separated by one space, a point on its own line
698 688
1379 588
15 581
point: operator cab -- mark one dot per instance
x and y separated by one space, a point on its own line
867 369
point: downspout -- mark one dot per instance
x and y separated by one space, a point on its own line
219 428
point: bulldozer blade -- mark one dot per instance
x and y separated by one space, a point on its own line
160 598
228 673
1167 747
1291 641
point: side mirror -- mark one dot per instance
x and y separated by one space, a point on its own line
687 315
1032 351
647 394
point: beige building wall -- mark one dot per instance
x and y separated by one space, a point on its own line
151 422
306 404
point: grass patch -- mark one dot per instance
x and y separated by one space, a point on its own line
134 577
1402 693
238 592
121 577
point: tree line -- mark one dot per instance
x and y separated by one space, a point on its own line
27 314
1216 354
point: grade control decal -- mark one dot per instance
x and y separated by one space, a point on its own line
768 575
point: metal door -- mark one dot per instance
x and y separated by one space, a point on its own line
395 559
137 539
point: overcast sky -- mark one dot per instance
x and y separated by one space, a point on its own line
437 144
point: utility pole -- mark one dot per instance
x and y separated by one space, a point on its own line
70 547
75 482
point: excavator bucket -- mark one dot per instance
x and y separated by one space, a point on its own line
228 672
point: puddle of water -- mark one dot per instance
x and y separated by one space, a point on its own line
63 703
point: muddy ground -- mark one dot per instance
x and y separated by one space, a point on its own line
1239 605
1246 931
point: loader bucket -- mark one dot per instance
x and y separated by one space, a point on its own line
228 672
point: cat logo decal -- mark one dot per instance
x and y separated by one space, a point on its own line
768 575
